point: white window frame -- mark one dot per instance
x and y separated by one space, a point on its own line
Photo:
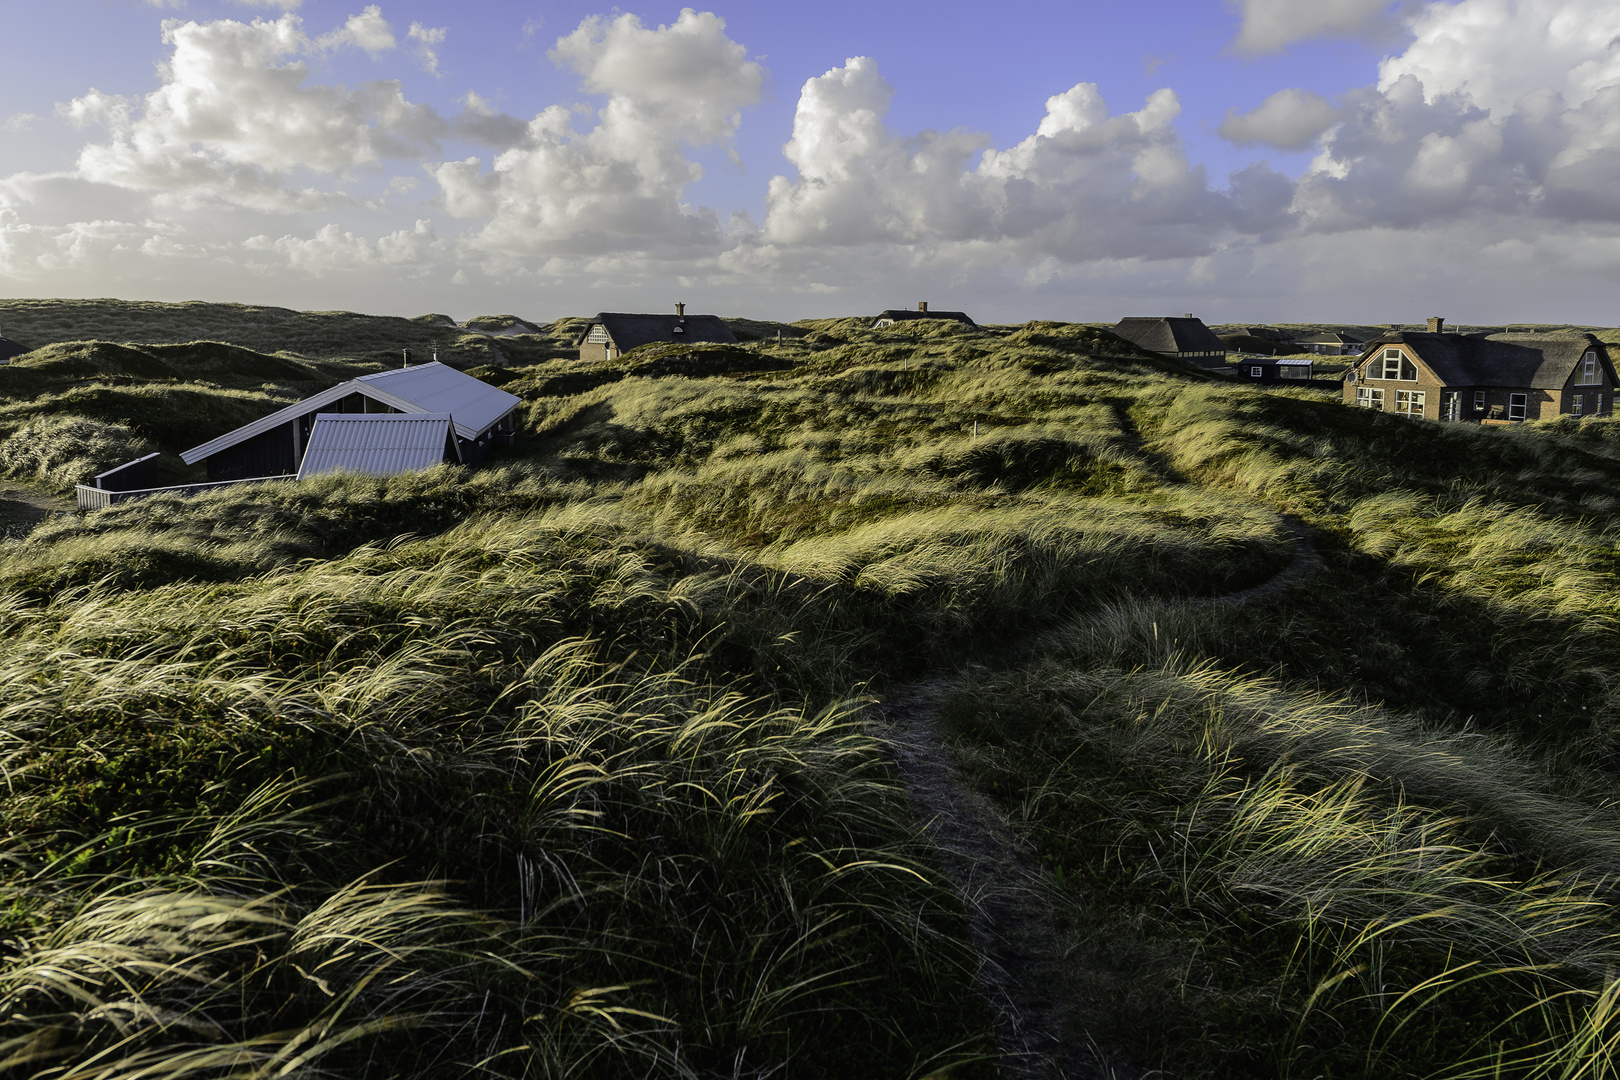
1518 406
1256 371
1370 397
1575 403
1410 402
1479 401
1397 360
1590 374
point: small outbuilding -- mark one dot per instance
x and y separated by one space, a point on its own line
613 333
274 445
381 444
1186 338
1268 369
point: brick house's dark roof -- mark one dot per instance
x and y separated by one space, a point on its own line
628 331
9 349
907 315
1164 334
1534 361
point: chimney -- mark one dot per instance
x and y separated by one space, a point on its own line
922 305
407 358
1188 315
680 311
1437 325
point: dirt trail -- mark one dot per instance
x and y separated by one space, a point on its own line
23 506
1004 887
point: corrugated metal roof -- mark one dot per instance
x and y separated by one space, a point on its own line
475 404
378 443
431 388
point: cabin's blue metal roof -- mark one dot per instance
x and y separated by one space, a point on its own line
475 404
378 443
428 388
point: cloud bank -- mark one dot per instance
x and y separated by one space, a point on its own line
1491 139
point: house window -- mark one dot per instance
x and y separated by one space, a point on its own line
1409 402
1256 371
1589 370
1516 405
1370 397
598 335
1397 366
1575 404
1479 401
1294 371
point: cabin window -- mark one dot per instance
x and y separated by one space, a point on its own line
598 335
1397 366
1479 401
1575 404
1256 371
1294 371
1370 397
1516 405
1409 402
1589 370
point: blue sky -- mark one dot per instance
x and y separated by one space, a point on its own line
1333 160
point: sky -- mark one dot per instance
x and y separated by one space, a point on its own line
1360 161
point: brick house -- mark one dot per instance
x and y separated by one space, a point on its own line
1490 378
613 333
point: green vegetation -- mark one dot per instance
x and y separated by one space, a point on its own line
568 766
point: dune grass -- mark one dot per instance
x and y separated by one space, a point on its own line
564 768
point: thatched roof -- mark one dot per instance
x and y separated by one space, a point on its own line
907 315
629 331
10 349
1165 334
1534 361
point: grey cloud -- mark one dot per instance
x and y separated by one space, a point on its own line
1288 120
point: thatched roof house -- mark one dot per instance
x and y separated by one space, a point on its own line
896 315
10 350
614 333
1483 377
1186 338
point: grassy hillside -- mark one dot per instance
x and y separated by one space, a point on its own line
569 766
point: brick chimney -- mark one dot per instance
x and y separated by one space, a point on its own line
922 305
680 311
1437 325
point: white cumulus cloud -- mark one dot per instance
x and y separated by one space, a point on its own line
619 185
428 40
236 113
1085 185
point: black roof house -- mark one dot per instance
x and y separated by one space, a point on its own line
10 350
1534 361
614 333
1187 338
894 315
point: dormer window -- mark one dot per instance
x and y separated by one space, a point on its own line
1590 376
1392 365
